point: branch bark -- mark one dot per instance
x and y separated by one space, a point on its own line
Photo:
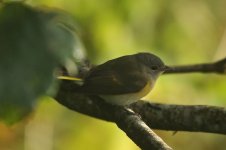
193 118
138 131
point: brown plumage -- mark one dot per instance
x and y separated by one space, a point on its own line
122 75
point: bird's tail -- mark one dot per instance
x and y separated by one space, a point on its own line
78 81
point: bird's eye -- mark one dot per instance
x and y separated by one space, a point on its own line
154 67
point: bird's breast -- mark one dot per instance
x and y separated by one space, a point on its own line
128 98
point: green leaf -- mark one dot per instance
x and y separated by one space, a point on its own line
32 44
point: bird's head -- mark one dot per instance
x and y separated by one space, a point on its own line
152 63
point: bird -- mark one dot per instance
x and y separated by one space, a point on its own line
123 80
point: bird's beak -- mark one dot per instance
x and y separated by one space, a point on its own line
165 68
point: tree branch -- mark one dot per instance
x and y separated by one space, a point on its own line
217 67
158 116
125 118
195 118
138 131
199 118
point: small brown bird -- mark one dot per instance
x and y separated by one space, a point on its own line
123 80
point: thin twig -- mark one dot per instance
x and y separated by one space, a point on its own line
217 67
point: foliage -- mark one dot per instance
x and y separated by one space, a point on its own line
32 44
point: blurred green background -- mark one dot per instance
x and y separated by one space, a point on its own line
179 31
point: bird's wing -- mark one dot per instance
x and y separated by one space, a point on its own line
114 77
111 84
